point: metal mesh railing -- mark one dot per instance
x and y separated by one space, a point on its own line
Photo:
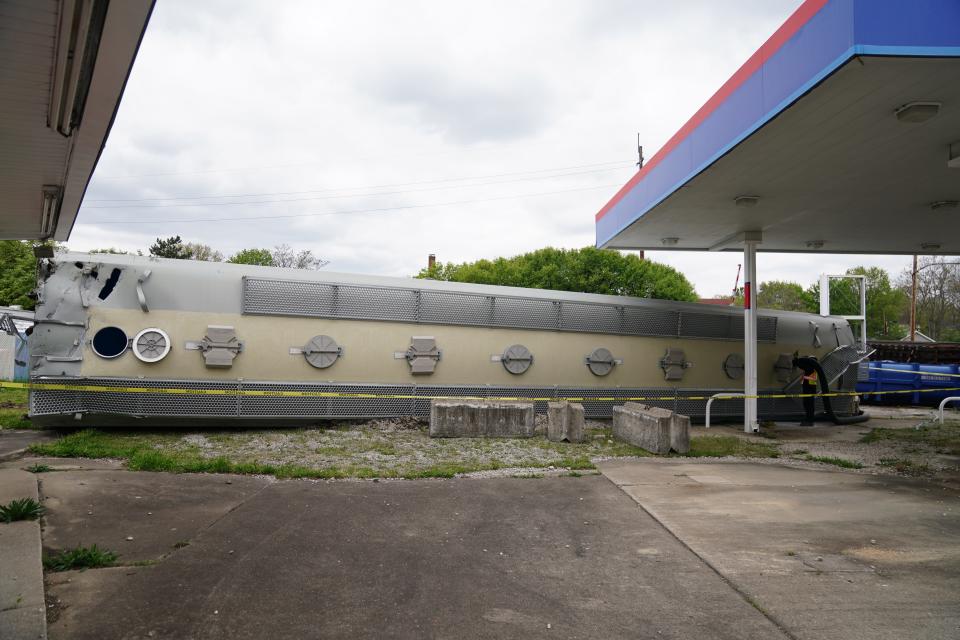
227 399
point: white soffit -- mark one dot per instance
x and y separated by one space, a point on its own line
39 147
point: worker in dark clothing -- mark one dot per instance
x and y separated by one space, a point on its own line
808 386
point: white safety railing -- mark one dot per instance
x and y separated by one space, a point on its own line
724 396
943 404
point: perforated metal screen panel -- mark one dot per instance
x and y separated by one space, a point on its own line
226 402
263 296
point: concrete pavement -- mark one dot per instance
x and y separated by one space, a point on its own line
560 557
22 610
826 554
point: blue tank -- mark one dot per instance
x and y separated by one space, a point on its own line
924 384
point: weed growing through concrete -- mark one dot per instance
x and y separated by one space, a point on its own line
39 468
905 466
21 509
838 462
943 438
724 446
91 557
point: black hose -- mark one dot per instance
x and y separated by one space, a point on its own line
806 361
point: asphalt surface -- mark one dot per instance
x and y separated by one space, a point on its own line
14 442
561 557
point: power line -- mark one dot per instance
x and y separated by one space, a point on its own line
382 186
348 195
353 211
471 149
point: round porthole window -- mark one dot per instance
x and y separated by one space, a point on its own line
109 342
151 345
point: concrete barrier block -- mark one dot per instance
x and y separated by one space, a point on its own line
680 433
643 426
565 422
481 419
652 428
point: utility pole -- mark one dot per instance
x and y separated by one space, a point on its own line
913 301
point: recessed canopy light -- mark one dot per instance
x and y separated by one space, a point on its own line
944 204
746 201
917 111
669 242
814 244
930 246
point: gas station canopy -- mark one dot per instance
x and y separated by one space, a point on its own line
841 134
63 67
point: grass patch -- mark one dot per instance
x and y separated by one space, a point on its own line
91 557
13 409
723 446
904 466
181 544
39 468
944 438
359 451
837 462
21 509
531 476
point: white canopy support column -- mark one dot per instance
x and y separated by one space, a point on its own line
751 423
750 240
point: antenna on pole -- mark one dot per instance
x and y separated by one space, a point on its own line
639 153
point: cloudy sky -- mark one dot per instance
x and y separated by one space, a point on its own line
376 132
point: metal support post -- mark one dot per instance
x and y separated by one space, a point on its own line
751 423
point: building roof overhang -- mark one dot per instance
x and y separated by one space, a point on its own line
64 67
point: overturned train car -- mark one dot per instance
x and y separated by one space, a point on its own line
131 340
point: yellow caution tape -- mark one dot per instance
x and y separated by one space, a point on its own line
57 386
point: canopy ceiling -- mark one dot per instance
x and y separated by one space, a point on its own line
808 131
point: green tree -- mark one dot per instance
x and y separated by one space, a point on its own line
588 270
938 297
885 304
788 296
203 252
260 257
110 250
172 247
18 273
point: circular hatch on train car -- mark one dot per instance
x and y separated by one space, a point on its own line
151 345
109 342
